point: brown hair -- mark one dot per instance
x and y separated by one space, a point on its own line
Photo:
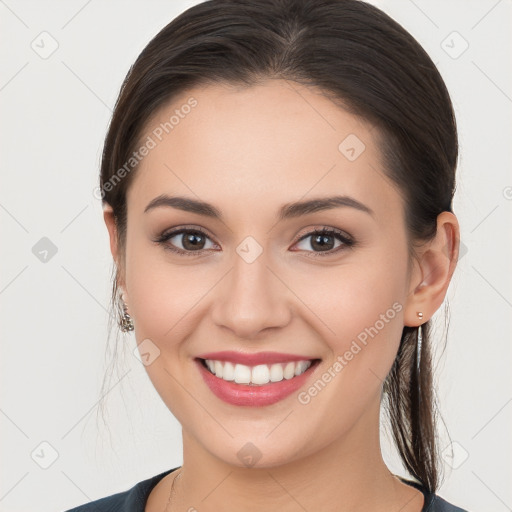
356 55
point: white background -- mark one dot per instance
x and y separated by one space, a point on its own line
54 114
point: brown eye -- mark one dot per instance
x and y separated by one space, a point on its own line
324 241
192 240
185 241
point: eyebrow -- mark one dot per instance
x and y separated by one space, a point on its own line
287 211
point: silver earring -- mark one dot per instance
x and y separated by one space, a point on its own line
418 349
420 342
125 320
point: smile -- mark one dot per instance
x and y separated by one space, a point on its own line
255 386
256 375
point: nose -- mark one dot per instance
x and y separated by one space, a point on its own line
251 298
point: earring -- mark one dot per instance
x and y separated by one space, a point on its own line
125 321
419 347
420 315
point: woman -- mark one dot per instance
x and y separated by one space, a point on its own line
277 182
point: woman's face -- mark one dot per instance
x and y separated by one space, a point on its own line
258 281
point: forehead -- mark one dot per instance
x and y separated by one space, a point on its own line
257 146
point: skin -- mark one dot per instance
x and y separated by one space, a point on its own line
248 151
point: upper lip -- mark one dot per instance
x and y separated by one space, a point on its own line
254 359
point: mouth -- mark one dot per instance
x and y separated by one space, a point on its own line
255 386
257 375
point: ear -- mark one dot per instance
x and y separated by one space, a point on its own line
110 221
433 271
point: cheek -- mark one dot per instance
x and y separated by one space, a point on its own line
162 294
362 309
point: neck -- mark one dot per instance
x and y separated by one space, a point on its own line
347 475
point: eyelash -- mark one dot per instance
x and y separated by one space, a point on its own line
348 242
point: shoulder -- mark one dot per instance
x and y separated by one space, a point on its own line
435 503
131 500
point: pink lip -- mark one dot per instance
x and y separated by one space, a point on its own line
254 359
251 395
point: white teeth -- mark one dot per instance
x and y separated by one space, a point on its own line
218 368
301 367
257 375
260 374
276 373
289 371
228 372
242 373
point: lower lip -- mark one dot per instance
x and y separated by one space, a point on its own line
254 396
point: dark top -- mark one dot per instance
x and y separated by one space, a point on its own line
134 499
